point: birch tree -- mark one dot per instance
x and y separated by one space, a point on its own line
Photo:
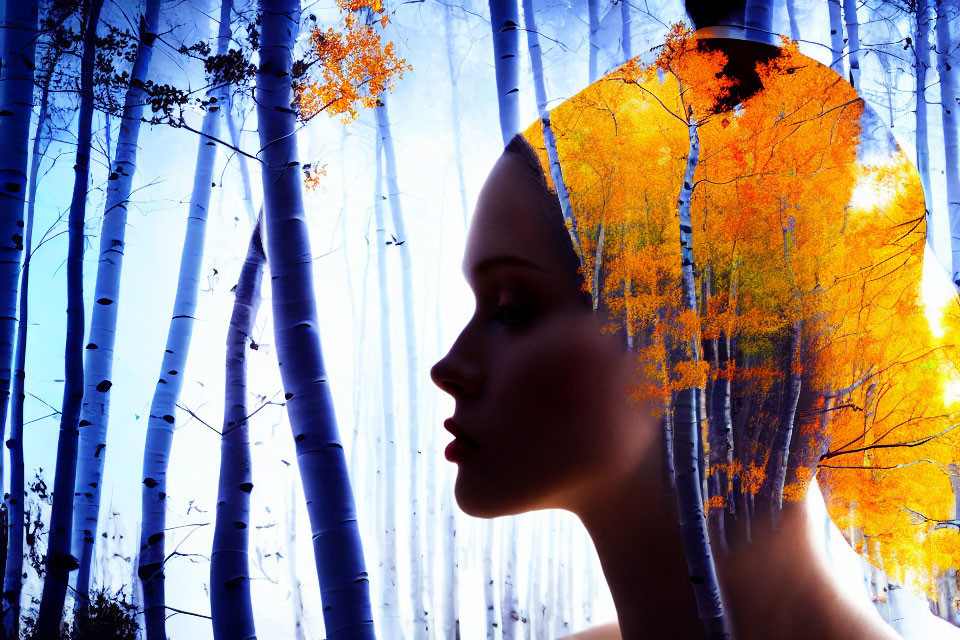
921 63
853 40
402 244
455 109
759 15
13 563
504 18
948 11
98 366
540 90
387 491
593 22
344 586
59 561
836 36
18 60
161 421
230 604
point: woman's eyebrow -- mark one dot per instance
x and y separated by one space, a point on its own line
502 260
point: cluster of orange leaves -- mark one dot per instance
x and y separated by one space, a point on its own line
779 239
355 67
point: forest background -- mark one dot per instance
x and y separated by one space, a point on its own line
387 226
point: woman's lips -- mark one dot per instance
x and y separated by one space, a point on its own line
458 449
462 444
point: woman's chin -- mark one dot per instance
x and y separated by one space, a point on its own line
479 504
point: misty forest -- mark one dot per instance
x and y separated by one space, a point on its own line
195 191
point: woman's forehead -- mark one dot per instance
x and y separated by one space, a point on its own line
505 222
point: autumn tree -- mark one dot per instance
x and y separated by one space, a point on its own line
774 307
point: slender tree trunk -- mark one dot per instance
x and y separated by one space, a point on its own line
534 586
344 587
836 35
853 40
504 19
759 15
230 604
792 18
489 597
593 22
296 597
13 562
160 425
98 365
921 51
451 603
241 162
402 244
16 108
59 561
947 62
686 432
455 110
391 625
509 603
626 38
540 90
784 435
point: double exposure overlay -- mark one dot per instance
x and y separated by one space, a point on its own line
757 238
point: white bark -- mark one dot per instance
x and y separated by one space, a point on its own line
390 607
948 12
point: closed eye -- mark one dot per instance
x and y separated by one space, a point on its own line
512 315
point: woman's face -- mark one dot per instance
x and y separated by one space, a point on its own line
542 414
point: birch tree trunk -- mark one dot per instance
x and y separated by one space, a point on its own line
949 11
230 604
98 365
509 603
836 36
241 162
160 425
921 51
626 38
300 630
16 108
792 18
504 19
60 562
853 40
784 435
402 244
387 494
451 603
686 433
489 597
455 110
344 586
13 563
540 90
759 15
593 22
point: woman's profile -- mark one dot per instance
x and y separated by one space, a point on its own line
686 312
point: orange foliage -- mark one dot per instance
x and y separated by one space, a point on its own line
355 67
803 220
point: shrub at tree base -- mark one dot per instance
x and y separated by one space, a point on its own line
108 617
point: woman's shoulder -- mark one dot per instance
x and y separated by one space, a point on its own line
609 631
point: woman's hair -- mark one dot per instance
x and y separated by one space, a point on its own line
549 210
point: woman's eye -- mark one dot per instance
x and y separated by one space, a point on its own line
513 315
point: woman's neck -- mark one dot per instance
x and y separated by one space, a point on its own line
778 585
634 525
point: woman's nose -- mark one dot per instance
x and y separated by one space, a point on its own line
455 373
